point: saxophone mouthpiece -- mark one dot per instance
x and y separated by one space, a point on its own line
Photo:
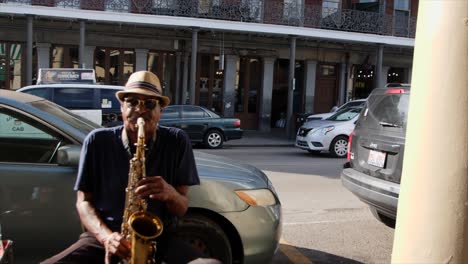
141 126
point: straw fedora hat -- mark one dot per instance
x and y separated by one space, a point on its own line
146 83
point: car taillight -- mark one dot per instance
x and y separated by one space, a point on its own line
237 123
350 140
395 91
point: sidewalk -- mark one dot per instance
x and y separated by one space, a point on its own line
252 138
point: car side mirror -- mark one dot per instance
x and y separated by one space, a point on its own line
68 155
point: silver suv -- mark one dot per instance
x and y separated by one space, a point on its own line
375 152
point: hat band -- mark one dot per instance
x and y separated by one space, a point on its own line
140 84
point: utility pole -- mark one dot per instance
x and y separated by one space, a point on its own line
432 217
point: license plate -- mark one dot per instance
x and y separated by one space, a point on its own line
376 158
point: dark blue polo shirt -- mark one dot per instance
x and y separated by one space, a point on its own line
104 166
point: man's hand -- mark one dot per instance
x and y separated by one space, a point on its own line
117 245
155 188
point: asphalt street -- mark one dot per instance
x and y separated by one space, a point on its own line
322 221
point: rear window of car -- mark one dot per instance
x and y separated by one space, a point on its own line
108 99
41 92
388 109
193 112
74 98
170 113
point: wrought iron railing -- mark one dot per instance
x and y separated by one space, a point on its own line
258 11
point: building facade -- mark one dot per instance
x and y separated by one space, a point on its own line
259 60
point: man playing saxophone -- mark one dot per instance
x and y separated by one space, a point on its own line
104 171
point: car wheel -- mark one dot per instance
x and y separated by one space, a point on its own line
213 139
205 235
339 147
383 218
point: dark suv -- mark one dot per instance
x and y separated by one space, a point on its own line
375 152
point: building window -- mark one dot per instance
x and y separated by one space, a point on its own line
401 18
113 66
292 10
65 57
11 57
330 7
162 63
401 4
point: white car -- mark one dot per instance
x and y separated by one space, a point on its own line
354 103
330 134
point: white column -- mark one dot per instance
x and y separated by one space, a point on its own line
432 216
267 94
229 83
141 59
409 74
311 71
342 84
43 55
384 76
88 57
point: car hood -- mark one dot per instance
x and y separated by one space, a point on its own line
323 123
322 116
238 175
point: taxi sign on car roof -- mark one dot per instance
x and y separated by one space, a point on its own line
63 75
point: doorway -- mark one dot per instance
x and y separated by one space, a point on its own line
326 93
247 91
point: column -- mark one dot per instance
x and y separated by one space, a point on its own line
29 49
43 55
141 59
229 83
290 121
378 67
349 84
82 43
409 73
185 79
178 92
310 78
193 64
267 93
383 76
342 84
88 57
432 216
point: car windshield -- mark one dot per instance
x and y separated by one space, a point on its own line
67 116
345 115
351 104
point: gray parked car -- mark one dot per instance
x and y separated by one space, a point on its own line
375 152
234 215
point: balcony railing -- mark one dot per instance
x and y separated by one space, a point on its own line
257 11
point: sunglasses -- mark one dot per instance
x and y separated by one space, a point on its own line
149 103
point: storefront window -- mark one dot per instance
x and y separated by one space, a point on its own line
204 81
65 57
11 55
217 93
113 66
239 91
255 83
163 65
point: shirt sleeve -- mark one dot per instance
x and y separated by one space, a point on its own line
85 171
186 171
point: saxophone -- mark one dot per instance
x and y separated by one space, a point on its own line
139 226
